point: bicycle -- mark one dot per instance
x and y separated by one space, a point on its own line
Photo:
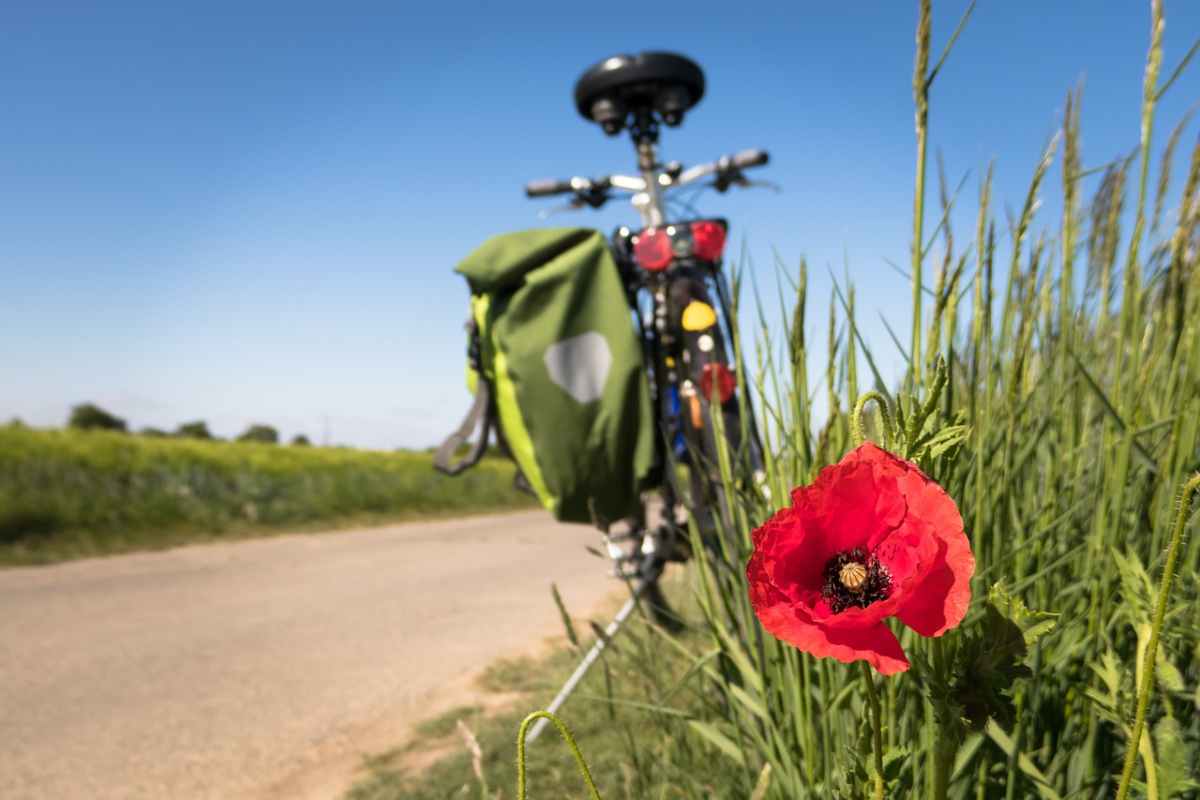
671 270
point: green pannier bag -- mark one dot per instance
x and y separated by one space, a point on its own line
556 367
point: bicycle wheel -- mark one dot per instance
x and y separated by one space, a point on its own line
722 450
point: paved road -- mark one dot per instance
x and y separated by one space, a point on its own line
265 668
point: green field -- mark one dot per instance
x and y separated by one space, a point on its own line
67 494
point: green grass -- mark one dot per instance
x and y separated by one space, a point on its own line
67 494
632 753
1081 419
1071 347
445 723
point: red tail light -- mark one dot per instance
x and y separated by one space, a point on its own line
726 383
708 240
652 249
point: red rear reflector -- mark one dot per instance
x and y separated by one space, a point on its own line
726 382
708 240
653 250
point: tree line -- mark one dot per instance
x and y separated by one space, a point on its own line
89 416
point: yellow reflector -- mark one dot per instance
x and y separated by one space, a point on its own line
698 316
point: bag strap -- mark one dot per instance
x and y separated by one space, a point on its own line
480 410
522 484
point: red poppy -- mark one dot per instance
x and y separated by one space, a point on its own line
873 537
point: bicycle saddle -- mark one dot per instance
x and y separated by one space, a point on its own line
653 81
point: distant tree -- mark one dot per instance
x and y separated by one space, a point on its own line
260 433
300 440
16 424
88 416
156 433
194 430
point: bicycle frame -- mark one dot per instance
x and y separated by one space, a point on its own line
678 363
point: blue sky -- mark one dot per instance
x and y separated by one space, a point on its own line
250 212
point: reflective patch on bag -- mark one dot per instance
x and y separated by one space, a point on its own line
580 365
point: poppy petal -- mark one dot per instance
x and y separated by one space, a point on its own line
794 548
939 602
851 503
875 644
778 614
908 554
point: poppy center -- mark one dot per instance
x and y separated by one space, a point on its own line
855 578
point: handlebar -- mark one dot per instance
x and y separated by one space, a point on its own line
546 188
749 158
726 169
588 190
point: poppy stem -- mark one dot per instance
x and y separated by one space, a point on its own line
876 727
945 743
1160 613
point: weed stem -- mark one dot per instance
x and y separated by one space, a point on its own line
856 419
567 737
1160 613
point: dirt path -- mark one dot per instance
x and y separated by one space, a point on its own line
265 668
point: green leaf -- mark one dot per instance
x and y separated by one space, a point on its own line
718 740
735 652
699 663
946 439
742 696
1175 757
1137 590
566 618
1143 642
857 766
1033 624
1149 763
934 443
763 783
1138 448
989 660
897 776
966 754
1110 672
600 634
1111 703
1040 783
988 665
